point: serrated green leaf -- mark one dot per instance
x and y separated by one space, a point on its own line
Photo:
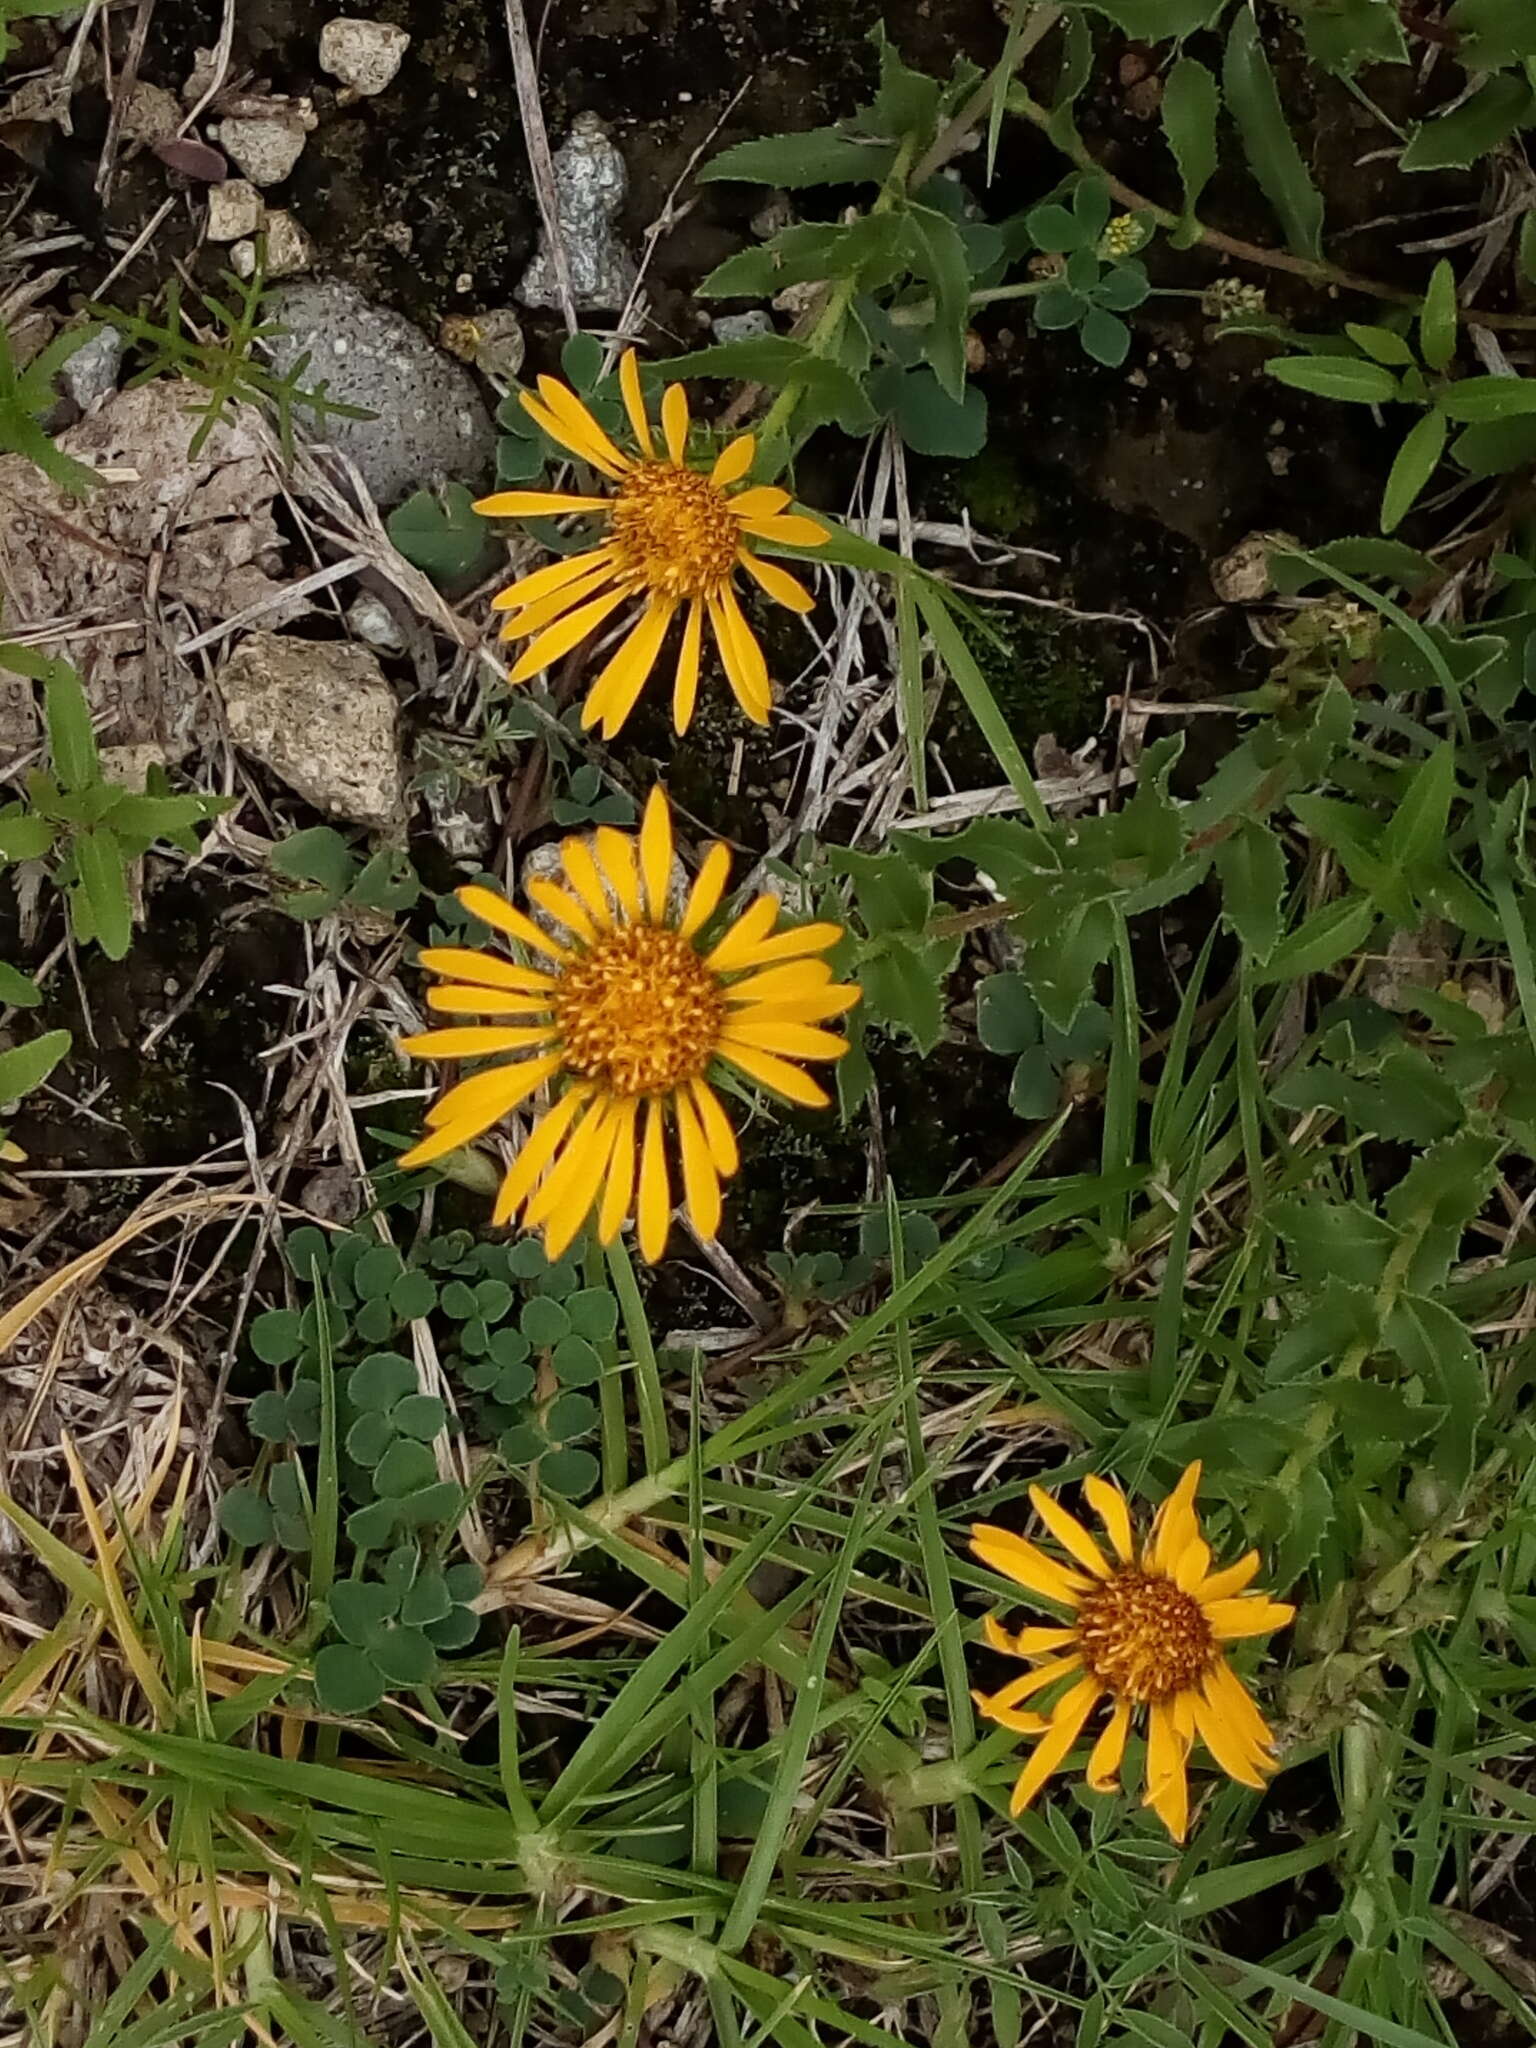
937 253
1328 936
1473 130
1253 101
903 991
1435 1346
1153 21
1342 35
893 896
1250 864
818 156
782 363
1414 839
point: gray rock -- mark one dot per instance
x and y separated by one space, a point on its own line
370 619
590 184
90 374
321 715
743 326
429 418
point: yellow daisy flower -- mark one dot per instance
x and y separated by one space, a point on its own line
676 537
1150 1630
624 1018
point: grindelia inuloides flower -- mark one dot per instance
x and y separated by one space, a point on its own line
625 1018
1149 1630
676 537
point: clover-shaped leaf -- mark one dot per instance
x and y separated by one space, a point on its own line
413 1295
369 1438
569 1473
1007 1015
400 1568
437 1503
515 1383
404 1467
360 1607
307 1249
544 1322
347 1681
377 1271
594 1314
246 1518
526 1259
510 1347
1035 1088
571 1416
428 1600
382 1379
458 1300
524 1443
404 1656
575 1362
267 1417
371 1527
457 1629
419 1415
465 1581
275 1336
376 1321
493 1298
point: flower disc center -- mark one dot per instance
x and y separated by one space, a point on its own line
639 1012
673 531
1143 1637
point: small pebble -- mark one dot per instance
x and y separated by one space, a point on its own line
742 326
289 249
371 621
234 210
266 150
364 55
90 374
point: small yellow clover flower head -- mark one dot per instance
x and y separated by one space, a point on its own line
1126 235
1149 1631
628 1013
675 538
